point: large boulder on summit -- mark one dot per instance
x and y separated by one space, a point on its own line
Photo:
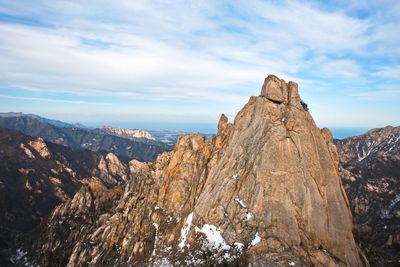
274 89
265 191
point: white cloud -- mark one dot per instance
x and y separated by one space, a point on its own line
212 50
156 47
78 102
392 72
382 94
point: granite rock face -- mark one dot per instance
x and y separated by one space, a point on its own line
265 191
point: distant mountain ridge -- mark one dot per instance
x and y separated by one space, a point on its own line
83 138
369 145
370 170
127 133
57 123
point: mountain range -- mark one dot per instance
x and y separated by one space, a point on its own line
57 123
370 171
98 139
35 176
217 201
269 189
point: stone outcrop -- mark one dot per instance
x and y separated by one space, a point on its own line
112 170
265 191
40 146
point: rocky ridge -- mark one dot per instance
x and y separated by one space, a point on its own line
97 140
378 142
264 191
127 133
370 168
35 176
56 123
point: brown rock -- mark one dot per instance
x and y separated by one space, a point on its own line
135 165
272 89
27 151
322 259
40 146
222 123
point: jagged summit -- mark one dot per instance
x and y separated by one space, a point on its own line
264 191
278 90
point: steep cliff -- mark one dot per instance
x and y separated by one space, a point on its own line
265 191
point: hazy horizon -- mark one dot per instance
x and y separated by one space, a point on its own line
339 132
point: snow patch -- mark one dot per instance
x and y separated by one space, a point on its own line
256 240
235 177
164 262
240 202
155 240
385 213
169 219
19 254
238 245
365 153
185 230
248 216
20 257
214 237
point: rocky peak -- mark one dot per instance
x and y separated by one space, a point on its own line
112 170
265 191
279 91
135 165
40 146
222 123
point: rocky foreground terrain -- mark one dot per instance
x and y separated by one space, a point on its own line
35 176
370 168
117 141
265 191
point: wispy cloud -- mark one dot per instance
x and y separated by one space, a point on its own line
392 72
384 94
196 50
78 102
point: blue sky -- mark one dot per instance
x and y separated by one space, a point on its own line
190 61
